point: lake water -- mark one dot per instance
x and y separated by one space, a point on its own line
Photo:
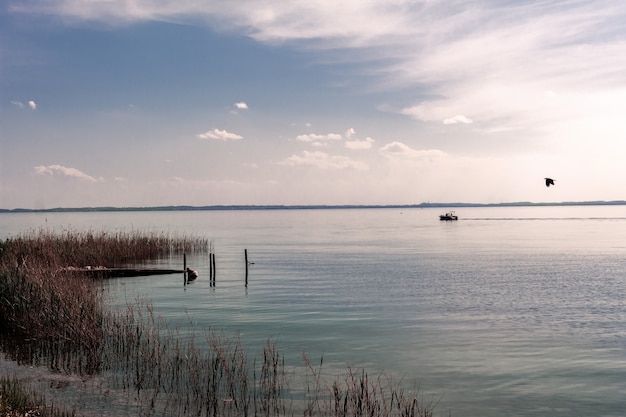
506 312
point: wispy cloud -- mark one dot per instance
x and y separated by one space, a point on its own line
62 171
459 118
322 160
31 104
400 150
219 135
492 59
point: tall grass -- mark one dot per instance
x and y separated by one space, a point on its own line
45 248
56 316
17 400
204 374
51 317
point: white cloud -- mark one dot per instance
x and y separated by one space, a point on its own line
319 140
350 132
31 104
360 144
322 160
435 111
400 150
421 42
219 135
60 170
241 106
459 118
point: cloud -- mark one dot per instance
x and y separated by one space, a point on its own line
431 111
459 118
319 140
420 41
350 132
20 105
219 135
496 58
322 160
359 144
60 170
400 150
238 106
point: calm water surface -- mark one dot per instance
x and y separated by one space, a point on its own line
506 312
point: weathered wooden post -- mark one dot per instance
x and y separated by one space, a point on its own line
211 269
184 269
245 252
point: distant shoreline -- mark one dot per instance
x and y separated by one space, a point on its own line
308 207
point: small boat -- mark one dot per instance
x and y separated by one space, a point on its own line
448 216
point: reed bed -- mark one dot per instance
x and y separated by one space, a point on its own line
46 248
56 315
51 317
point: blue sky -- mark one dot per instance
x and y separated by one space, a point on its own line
163 102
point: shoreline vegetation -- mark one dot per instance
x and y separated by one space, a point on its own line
51 317
311 207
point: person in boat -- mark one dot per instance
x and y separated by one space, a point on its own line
192 274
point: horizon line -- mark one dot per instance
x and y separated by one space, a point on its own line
307 206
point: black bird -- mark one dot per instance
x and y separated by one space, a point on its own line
549 182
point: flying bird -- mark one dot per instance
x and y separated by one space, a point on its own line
549 182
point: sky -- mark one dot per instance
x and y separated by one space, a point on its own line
136 103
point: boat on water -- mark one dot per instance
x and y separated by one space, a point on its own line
449 216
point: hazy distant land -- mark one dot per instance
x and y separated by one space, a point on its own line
309 207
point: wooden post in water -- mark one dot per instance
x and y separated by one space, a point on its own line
211 269
184 269
245 252
213 266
